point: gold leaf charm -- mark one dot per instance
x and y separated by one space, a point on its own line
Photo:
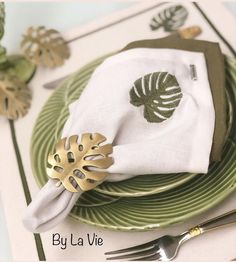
45 46
190 32
81 162
15 97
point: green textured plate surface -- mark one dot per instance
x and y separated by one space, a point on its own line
48 130
147 212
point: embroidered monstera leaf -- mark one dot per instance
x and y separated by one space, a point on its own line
80 163
15 97
159 93
170 18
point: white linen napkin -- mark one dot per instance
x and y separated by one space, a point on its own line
181 143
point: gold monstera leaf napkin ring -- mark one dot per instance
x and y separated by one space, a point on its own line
80 163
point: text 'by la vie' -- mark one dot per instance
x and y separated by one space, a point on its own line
64 242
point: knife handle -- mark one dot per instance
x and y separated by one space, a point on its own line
220 221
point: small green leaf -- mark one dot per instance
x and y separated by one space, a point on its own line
170 18
160 94
3 57
2 19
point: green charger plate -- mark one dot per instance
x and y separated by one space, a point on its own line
48 129
152 211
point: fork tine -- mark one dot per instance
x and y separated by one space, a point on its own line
138 254
134 248
155 256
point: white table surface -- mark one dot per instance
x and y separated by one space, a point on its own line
72 17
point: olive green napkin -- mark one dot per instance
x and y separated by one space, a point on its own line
216 75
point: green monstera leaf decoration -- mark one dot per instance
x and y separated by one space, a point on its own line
170 19
159 93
